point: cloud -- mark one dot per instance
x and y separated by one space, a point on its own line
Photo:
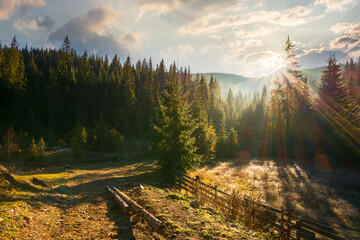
158 7
349 42
345 46
10 7
22 25
180 53
341 27
248 60
214 22
332 5
100 16
256 64
89 32
164 7
45 22
130 40
262 31
41 23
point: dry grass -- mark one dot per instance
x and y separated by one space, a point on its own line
77 207
331 197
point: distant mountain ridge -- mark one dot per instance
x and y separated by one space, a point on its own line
246 84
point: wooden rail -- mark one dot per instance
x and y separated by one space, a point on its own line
287 224
127 204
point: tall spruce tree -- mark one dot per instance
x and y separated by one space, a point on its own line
174 146
205 134
335 95
332 89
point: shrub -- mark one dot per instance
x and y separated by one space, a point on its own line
114 140
33 149
107 140
41 147
78 142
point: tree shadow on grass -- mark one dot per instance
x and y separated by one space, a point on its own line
302 191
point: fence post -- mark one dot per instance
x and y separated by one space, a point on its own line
215 196
298 228
197 186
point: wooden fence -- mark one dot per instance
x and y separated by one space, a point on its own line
287 225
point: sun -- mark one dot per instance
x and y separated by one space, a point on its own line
273 64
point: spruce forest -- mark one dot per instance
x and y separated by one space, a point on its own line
61 96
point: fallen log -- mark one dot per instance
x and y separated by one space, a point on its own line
142 213
118 200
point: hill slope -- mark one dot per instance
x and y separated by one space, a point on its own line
245 84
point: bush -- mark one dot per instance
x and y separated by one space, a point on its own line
41 147
107 140
78 142
36 150
33 149
114 140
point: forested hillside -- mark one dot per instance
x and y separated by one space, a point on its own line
93 102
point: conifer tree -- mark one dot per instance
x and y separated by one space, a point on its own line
351 78
33 148
174 146
65 47
216 109
334 93
204 134
331 88
230 109
41 147
231 142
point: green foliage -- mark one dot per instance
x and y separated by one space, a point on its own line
50 92
78 142
36 150
228 143
206 235
205 141
174 145
41 147
33 149
105 139
176 196
231 142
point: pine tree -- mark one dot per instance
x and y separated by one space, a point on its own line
41 146
230 109
351 78
216 109
33 148
331 87
175 144
66 45
128 87
15 68
276 120
231 142
334 93
204 134
296 100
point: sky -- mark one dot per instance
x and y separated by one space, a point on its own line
244 37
